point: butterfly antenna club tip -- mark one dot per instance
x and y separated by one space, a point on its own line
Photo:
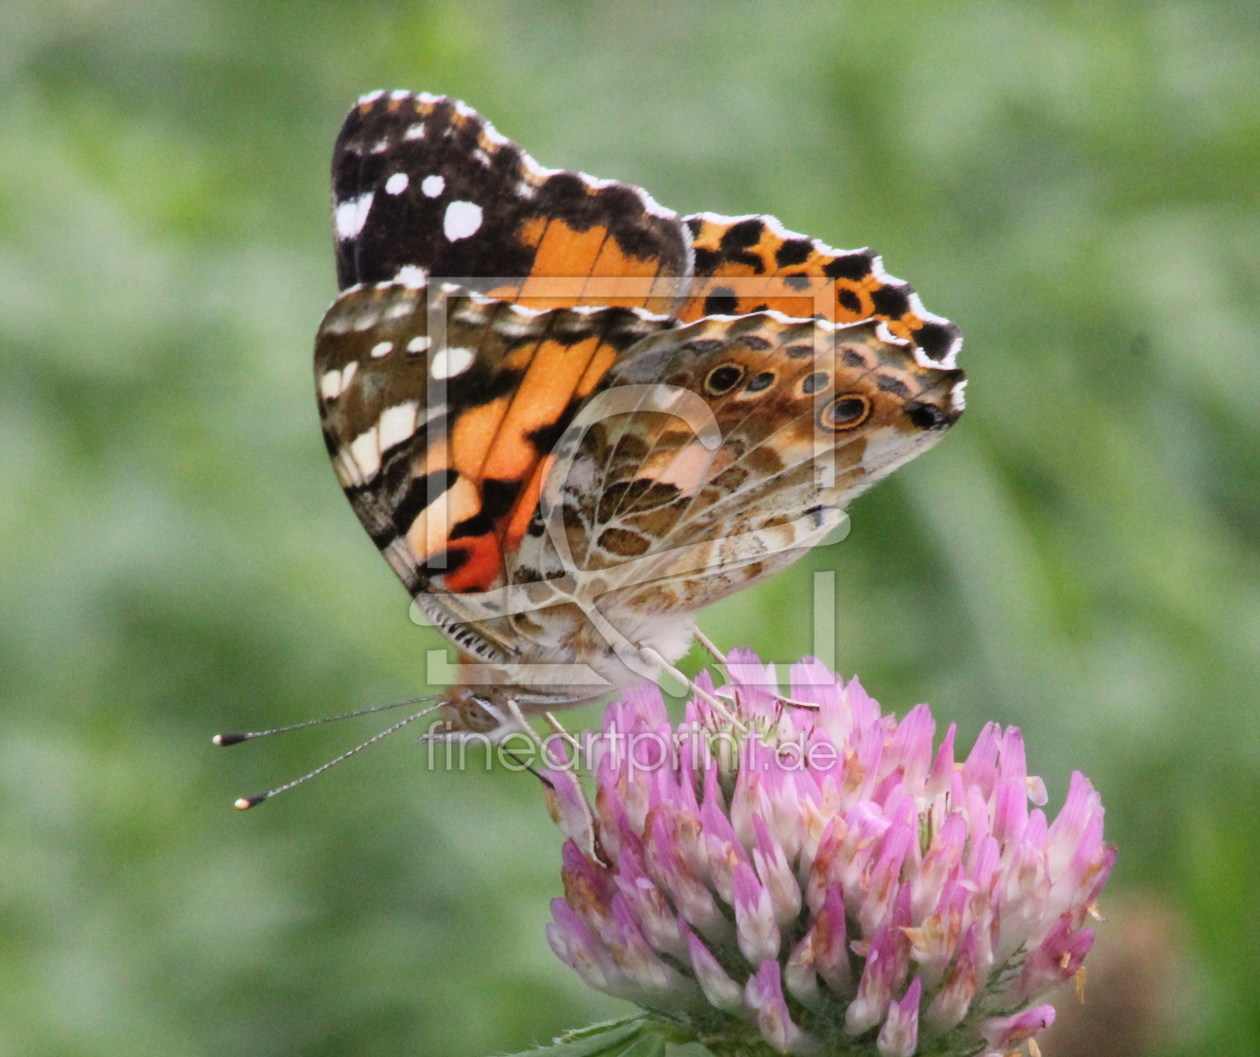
246 802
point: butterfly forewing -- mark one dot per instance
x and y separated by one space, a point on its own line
425 183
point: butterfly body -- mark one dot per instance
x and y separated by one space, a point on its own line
558 447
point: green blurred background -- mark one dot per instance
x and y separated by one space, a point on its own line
1075 183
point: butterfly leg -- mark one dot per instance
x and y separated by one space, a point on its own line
709 645
518 721
560 729
714 703
791 702
717 654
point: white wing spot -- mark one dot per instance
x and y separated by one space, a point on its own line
350 215
397 183
415 131
366 318
365 454
418 344
450 362
382 348
462 219
330 385
397 424
432 186
347 372
411 275
344 471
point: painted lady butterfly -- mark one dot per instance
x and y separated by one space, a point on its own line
570 418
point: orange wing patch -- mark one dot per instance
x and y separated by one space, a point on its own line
573 266
501 456
545 391
751 264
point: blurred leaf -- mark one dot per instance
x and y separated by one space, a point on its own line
631 1037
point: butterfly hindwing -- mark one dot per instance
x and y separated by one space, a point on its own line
737 446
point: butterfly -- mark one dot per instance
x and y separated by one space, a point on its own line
570 418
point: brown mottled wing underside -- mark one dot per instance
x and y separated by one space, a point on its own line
725 449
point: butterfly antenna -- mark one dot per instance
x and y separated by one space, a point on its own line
246 802
237 736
